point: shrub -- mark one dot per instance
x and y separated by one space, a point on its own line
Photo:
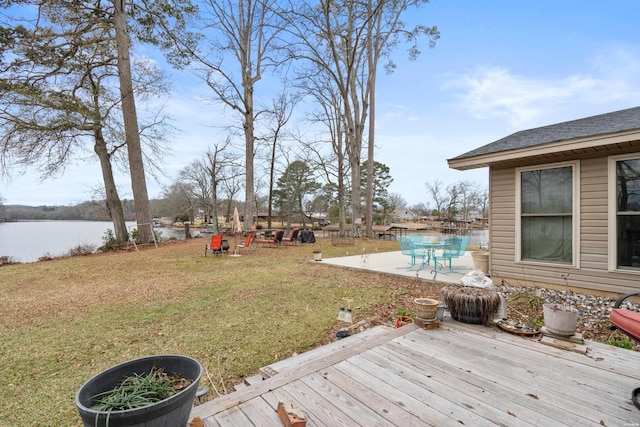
82 249
109 241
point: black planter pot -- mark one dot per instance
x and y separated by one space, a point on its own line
472 317
170 412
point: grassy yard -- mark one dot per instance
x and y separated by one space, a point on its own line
65 320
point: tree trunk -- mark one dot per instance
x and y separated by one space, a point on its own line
114 205
130 119
372 122
249 207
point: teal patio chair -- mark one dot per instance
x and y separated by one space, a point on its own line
456 246
407 248
415 237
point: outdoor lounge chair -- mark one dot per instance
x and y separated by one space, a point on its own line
293 237
628 322
456 246
275 241
247 243
215 246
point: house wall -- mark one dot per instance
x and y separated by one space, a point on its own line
592 271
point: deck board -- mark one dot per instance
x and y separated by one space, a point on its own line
445 373
457 375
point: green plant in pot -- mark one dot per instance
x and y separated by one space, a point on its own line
154 391
403 318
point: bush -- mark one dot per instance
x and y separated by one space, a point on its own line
7 260
109 241
82 249
182 218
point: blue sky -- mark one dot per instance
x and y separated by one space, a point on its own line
499 67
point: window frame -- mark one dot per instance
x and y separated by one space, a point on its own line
612 202
575 214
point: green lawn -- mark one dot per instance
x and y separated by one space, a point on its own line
65 320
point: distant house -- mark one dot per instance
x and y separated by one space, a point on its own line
403 214
565 200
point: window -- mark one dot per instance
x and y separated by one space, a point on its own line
627 212
546 214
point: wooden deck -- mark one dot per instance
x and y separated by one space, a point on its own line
458 375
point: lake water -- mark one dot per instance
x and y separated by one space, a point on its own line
26 241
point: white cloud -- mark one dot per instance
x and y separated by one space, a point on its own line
612 82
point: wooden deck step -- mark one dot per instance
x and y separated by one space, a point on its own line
273 369
240 386
254 379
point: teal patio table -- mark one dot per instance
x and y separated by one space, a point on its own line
431 249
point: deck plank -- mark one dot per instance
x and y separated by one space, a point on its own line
600 355
468 375
569 366
415 405
325 350
233 417
539 415
295 372
460 408
488 405
260 412
387 409
344 402
541 380
583 372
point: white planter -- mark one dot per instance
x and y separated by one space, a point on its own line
560 319
481 261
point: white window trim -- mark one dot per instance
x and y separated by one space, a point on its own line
612 227
575 213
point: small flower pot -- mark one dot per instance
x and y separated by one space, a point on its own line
426 308
403 320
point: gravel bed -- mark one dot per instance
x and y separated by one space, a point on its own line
593 309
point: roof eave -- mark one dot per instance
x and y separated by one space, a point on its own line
485 160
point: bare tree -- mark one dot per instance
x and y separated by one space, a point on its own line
439 195
334 167
343 40
279 113
239 52
207 176
467 195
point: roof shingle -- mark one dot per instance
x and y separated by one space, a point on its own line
617 121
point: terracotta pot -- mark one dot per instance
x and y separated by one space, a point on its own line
426 308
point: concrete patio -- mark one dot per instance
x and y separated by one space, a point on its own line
398 264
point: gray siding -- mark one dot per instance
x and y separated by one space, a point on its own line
592 273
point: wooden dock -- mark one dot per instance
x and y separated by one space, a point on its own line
456 375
